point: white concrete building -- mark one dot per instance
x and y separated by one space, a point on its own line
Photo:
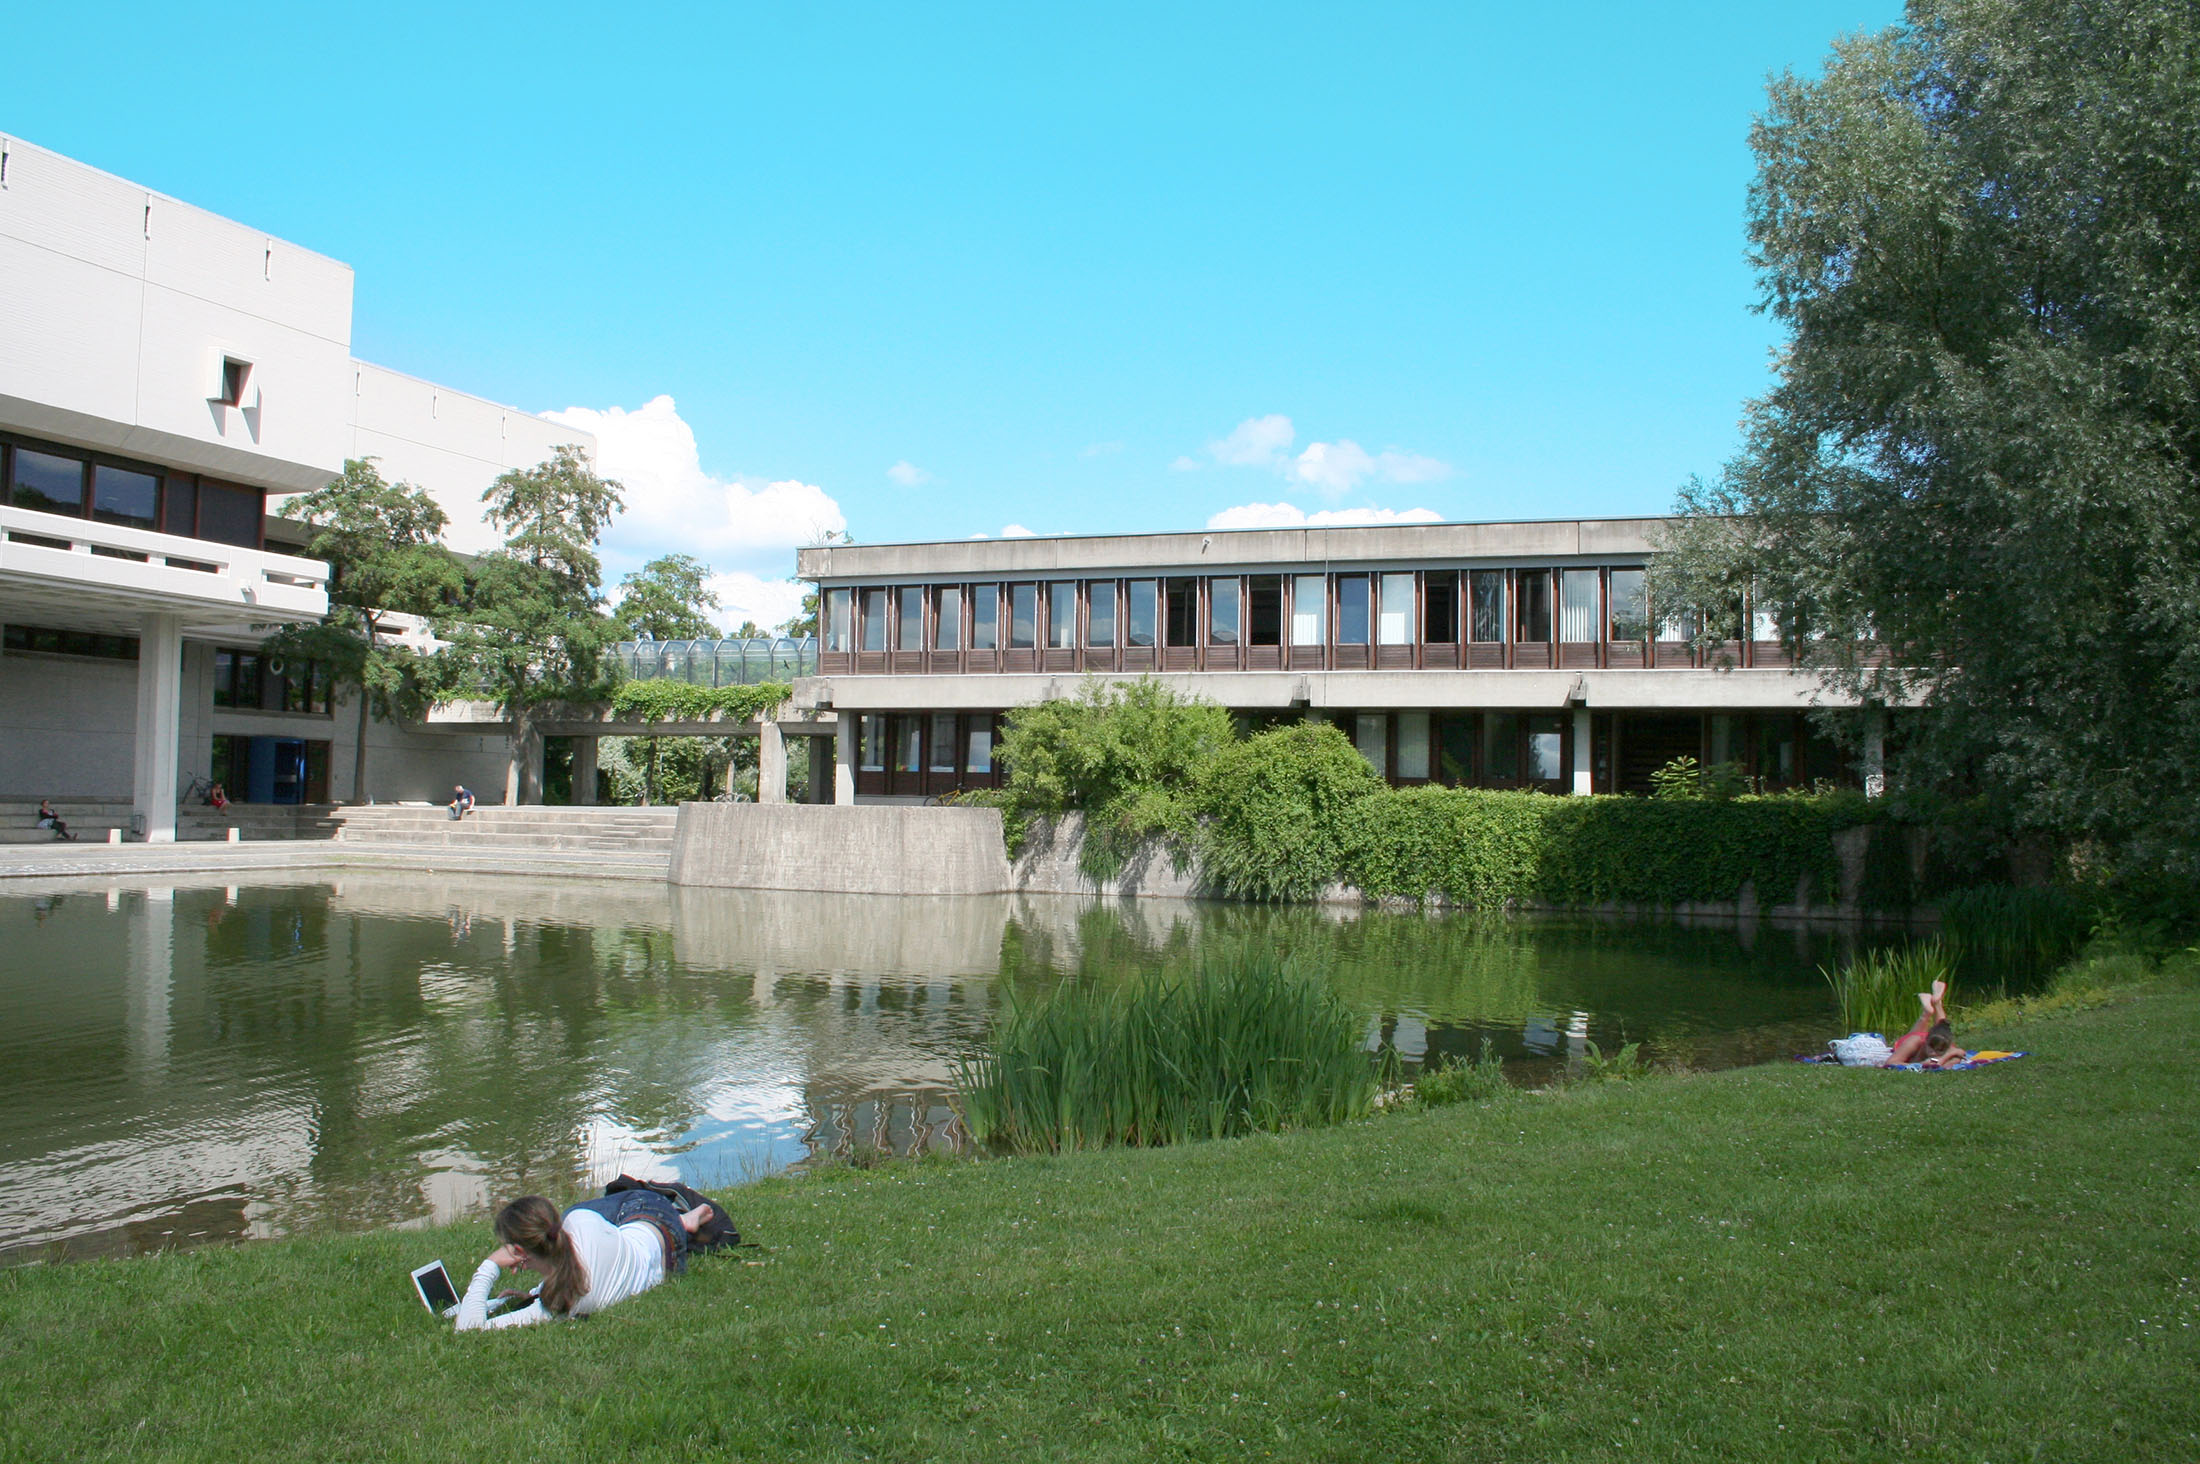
165 376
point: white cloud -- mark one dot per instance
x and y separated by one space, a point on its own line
771 603
1017 531
1291 516
908 474
743 523
1256 442
1333 468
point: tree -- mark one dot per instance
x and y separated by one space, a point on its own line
384 542
804 621
530 630
1976 482
667 599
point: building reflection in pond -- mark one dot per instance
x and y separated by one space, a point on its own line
211 1062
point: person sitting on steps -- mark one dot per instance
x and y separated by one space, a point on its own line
597 1253
48 819
462 801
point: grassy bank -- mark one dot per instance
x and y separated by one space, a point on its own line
1784 1262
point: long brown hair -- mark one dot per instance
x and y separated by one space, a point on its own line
531 1223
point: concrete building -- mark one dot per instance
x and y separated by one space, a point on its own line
1510 655
166 377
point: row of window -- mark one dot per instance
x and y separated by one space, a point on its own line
134 495
70 642
251 681
1402 607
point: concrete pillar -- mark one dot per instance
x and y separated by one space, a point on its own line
1873 763
821 768
159 726
523 775
844 760
584 772
771 762
150 981
1584 752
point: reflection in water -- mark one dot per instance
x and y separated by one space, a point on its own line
204 1063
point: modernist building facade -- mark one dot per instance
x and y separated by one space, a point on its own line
167 378
1504 655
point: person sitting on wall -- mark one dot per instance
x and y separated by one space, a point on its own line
462 801
596 1253
48 819
1931 1041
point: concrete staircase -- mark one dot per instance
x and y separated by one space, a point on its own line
257 823
624 835
89 819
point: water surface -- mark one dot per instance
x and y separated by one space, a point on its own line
191 1063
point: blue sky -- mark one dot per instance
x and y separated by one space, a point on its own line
941 270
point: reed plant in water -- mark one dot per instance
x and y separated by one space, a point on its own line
1878 990
1221 1048
2010 937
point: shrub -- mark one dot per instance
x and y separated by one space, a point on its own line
1276 808
2000 935
1877 991
661 699
1220 1049
1684 777
1455 1081
1128 757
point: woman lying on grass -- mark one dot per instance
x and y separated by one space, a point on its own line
597 1253
1930 1042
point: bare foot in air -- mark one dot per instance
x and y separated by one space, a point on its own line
693 1220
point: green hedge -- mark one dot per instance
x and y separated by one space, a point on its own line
663 700
1486 848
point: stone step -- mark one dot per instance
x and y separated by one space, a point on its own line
86 833
458 839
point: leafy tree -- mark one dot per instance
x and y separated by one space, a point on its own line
1275 809
667 599
804 622
384 542
1976 481
750 630
530 630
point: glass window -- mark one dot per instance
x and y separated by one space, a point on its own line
1264 610
1308 612
1371 735
179 510
1630 605
1395 628
1413 744
947 627
1222 612
1142 614
1351 609
908 744
1455 750
1535 605
1062 615
120 496
985 611
246 686
48 482
1180 617
1501 748
1023 617
229 515
319 698
944 743
1577 605
874 620
840 620
225 678
909 609
1440 608
871 745
1100 613
1487 587
1546 749
981 746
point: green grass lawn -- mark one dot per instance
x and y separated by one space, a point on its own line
1781 1263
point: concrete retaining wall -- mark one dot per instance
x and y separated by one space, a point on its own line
1047 865
841 849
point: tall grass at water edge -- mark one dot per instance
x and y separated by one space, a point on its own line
2008 938
1877 990
1225 1047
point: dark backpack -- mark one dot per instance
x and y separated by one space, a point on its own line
711 1237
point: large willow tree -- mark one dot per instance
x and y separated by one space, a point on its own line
1976 482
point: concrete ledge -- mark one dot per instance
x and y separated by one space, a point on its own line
841 849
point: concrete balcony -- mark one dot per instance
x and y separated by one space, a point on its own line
79 568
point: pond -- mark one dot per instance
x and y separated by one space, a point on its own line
185 1064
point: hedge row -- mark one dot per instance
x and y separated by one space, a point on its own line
661 700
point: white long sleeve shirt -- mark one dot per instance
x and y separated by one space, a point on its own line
621 1261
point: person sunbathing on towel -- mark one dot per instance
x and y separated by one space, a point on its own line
1930 1042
